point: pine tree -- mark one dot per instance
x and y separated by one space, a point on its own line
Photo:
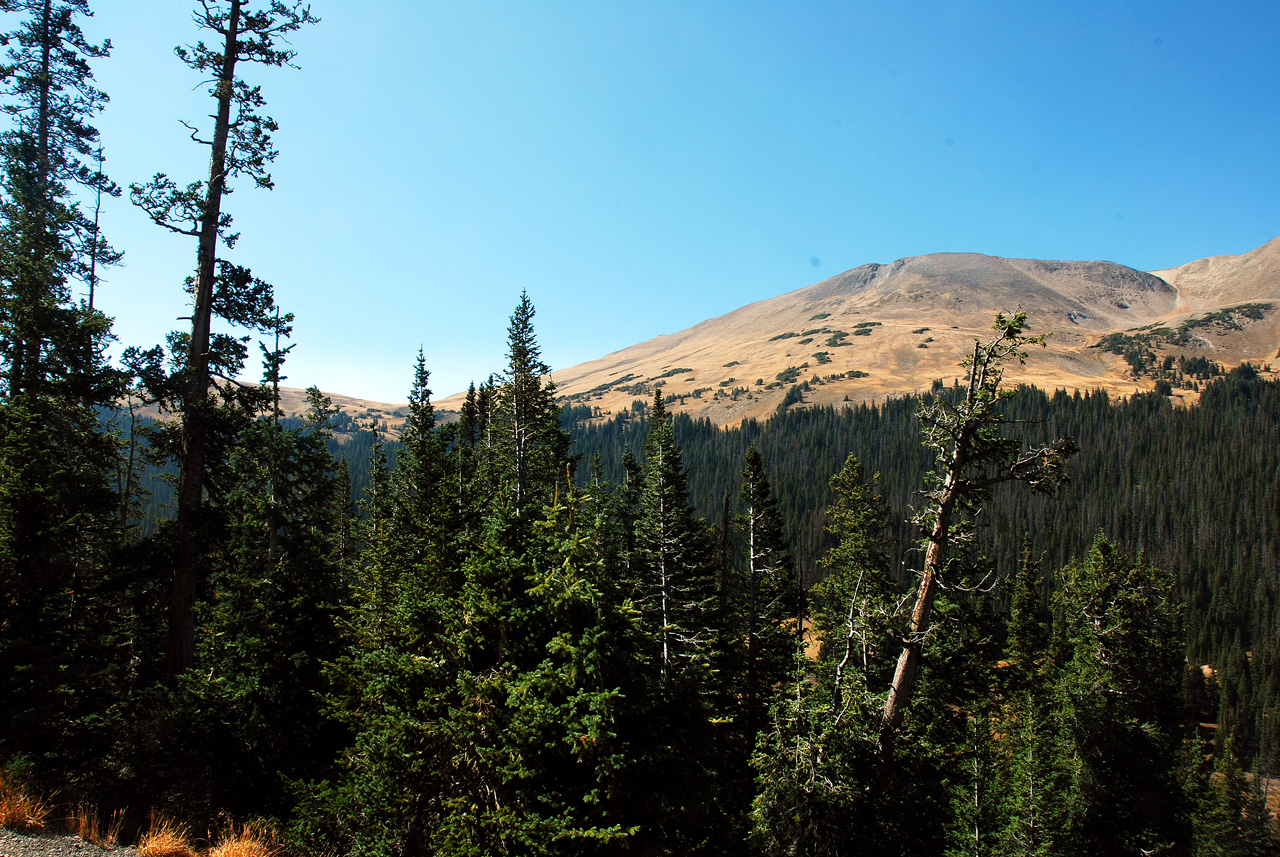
676 585
1026 766
1232 819
814 760
482 687
534 447
240 146
252 713
424 515
57 511
1118 709
972 457
47 342
768 596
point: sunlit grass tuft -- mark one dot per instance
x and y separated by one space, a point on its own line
85 823
19 810
165 838
251 840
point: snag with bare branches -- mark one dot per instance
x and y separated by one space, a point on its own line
973 456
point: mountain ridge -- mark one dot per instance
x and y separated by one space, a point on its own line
890 329
880 330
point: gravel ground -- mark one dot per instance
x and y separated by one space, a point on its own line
45 845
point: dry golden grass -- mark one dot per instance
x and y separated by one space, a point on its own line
85 823
251 840
165 838
19 810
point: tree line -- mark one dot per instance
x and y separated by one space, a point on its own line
505 647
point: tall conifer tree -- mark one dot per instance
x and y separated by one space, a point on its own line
535 448
56 520
240 146
768 598
676 579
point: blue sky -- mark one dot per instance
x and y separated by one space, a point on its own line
641 167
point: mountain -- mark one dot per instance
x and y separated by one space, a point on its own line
881 330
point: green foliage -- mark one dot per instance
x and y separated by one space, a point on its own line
1232 817
1139 347
532 448
1120 669
765 600
62 615
816 759
675 588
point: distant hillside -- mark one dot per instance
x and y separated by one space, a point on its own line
880 330
357 414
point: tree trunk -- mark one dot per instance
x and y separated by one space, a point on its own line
195 416
904 677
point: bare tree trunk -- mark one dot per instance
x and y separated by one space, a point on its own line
195 426
904 677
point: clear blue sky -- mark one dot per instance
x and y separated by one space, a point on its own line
640 167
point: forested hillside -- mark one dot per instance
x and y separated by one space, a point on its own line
1191 490
1196 491
1149 476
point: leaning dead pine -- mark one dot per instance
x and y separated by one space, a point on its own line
972 456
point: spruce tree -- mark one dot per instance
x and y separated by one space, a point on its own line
534 447
814 759
424 513
1118 710
482 683
251 717
57 519
47 341
674 587
675 583
768 599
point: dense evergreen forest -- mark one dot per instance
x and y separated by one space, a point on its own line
970 622
1193 490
